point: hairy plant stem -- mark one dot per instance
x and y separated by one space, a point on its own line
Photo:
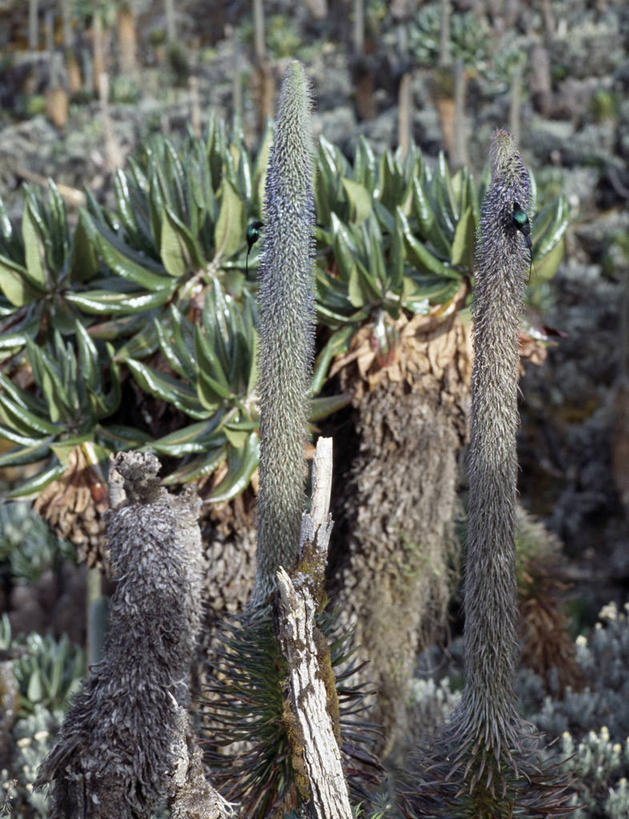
490 581
286 308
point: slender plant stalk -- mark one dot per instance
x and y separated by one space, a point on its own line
259 44
501 268
486 763
33 25
286 308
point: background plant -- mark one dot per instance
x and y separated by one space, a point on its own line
118 293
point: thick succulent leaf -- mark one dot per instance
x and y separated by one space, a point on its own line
183 334
391 185
194 438
444 182
328 404
545 268
338 342
106 302
123 260
142 344
171 248
422 208
115 437
245 182
103 404
359 199
365 165
124 207
22 398
344 246
120 327
23 420
36 484
230 226
10 434
14 284
395 266
23 455
463 241
179 249
549 228
418 255
33 248
211 369
241 464
445 218
372 239
167 389
162 331
83 264
88 357
57 394
422 290
199 467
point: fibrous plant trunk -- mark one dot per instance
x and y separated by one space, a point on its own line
395 552
126 745
486 762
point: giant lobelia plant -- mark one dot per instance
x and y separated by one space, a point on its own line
286 302
248 698
487 762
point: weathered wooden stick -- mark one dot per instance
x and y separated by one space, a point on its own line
298 639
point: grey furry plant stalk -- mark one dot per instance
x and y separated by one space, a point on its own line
487 763
286 309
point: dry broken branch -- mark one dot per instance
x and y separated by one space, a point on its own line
307 655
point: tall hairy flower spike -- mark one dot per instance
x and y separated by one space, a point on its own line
501 268
286 306
487 762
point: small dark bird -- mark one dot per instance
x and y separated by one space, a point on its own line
253 234
522 223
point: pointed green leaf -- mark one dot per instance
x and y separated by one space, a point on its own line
83 262
33 248
24 420
326 405
191 439
105 302
171 249
39 482
118 437
167 389
337 343
463 241
242 464
198 468
418 255
229 233
359 200
13 283
423 208
545 268
23 455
